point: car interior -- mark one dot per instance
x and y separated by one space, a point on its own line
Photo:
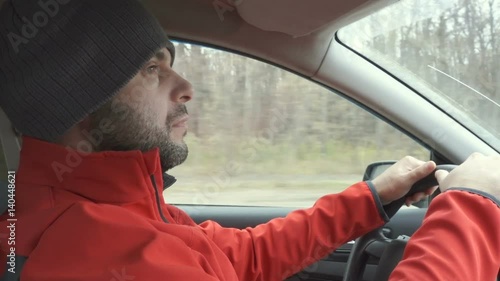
303 37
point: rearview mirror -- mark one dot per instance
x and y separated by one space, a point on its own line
375 169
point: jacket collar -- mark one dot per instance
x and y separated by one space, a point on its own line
105 177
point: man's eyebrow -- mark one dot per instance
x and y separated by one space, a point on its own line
160 55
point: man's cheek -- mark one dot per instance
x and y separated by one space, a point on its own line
120 109
137 96
150 83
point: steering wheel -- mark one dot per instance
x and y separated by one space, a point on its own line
376 244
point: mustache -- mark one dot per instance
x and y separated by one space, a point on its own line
179 111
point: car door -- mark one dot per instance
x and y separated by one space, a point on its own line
264 142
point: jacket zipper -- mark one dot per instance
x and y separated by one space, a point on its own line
157 195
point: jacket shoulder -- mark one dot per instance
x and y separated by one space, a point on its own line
179 215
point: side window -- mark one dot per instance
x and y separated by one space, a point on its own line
261 136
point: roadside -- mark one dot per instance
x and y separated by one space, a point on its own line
257 190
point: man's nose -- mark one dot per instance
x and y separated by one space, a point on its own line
183 91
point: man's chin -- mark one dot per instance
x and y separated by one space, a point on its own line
174 159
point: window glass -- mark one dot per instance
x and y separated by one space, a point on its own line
446 49
261 136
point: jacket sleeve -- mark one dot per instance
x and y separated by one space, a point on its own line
459 240
284 246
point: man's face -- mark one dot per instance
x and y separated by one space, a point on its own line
148 112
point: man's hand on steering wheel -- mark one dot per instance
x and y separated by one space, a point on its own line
396 181
477 172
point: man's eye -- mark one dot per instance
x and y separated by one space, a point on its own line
154 69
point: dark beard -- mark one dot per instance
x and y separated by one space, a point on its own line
132 130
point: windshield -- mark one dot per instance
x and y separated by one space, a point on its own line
447 50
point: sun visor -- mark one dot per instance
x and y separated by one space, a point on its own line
302 17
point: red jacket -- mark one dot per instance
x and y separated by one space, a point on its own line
458 241
101 217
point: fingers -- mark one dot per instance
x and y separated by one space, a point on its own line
414 162
420 196
415 198
441 175
397 180
430 191
478 171
422 171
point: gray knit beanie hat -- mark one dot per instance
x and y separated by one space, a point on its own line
60 60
